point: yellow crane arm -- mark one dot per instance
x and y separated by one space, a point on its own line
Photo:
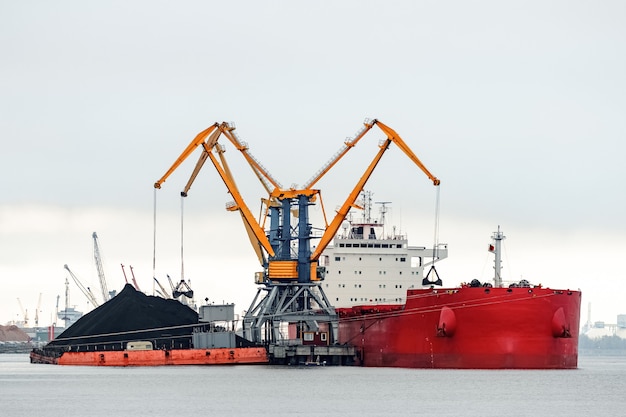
391 134
199 139
249 219
256 245
331 230
259 170
340 154
250 228
257 235
210 143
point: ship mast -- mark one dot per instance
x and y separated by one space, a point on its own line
497 237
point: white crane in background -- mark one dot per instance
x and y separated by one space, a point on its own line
106 295
37 311
56 313
85 290
24 312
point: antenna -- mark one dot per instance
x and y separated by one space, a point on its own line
383 211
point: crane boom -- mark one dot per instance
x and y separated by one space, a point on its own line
331 230
85 290
280 200
257 234
392 135
188 151
98 259
348 144
248 217
164 292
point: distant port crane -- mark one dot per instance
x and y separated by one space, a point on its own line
85 290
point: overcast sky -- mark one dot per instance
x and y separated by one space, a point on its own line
518 107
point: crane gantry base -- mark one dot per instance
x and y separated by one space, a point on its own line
301 304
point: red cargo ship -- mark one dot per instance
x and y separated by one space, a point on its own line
468 327
393 321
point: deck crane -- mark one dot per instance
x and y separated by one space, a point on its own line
291 274
85 290
106 294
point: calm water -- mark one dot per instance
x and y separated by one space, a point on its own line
597 388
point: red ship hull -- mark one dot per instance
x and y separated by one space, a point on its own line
468 328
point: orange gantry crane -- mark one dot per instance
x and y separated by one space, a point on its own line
289 282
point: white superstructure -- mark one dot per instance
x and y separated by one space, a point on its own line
364 266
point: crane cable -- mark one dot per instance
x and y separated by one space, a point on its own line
432 269
182 265
436 237
154 223
154 239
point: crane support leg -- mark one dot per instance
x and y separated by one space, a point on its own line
290 304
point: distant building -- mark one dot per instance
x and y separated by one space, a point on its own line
600 329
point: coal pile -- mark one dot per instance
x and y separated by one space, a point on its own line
129 316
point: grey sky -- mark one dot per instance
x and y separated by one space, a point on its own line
518 107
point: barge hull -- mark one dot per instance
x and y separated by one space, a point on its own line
222 356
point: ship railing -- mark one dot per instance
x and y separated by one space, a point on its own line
289 342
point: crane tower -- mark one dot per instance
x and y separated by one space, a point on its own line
106 294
